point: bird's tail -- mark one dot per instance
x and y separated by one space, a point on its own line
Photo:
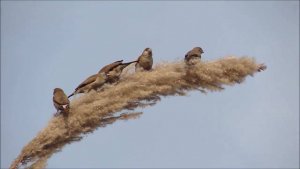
118 61
127 64
71 95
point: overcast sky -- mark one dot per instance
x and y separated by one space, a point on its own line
58 44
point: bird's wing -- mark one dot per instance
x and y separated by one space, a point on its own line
64 99
139 58
61 98
186 56
192 54
137 66
111 66
87 81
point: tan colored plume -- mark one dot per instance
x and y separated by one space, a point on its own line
98 109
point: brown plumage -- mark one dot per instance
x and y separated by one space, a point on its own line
145 61
99 82
114 70
109 67
193 54
93 82
60 101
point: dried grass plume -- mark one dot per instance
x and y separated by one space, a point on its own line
98 109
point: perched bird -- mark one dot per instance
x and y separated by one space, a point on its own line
114 70
145 61
60 101
193 54
93 82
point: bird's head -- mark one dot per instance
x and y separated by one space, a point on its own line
57 90
198 49
147 51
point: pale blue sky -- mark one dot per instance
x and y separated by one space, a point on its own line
58 44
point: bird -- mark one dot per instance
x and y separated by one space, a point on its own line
144 61
92 82
60 101
114 70
193 54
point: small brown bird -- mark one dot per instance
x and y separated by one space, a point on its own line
60 101
114 70
145 61
93 82
193 54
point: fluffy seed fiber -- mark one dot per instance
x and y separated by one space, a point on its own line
98 109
